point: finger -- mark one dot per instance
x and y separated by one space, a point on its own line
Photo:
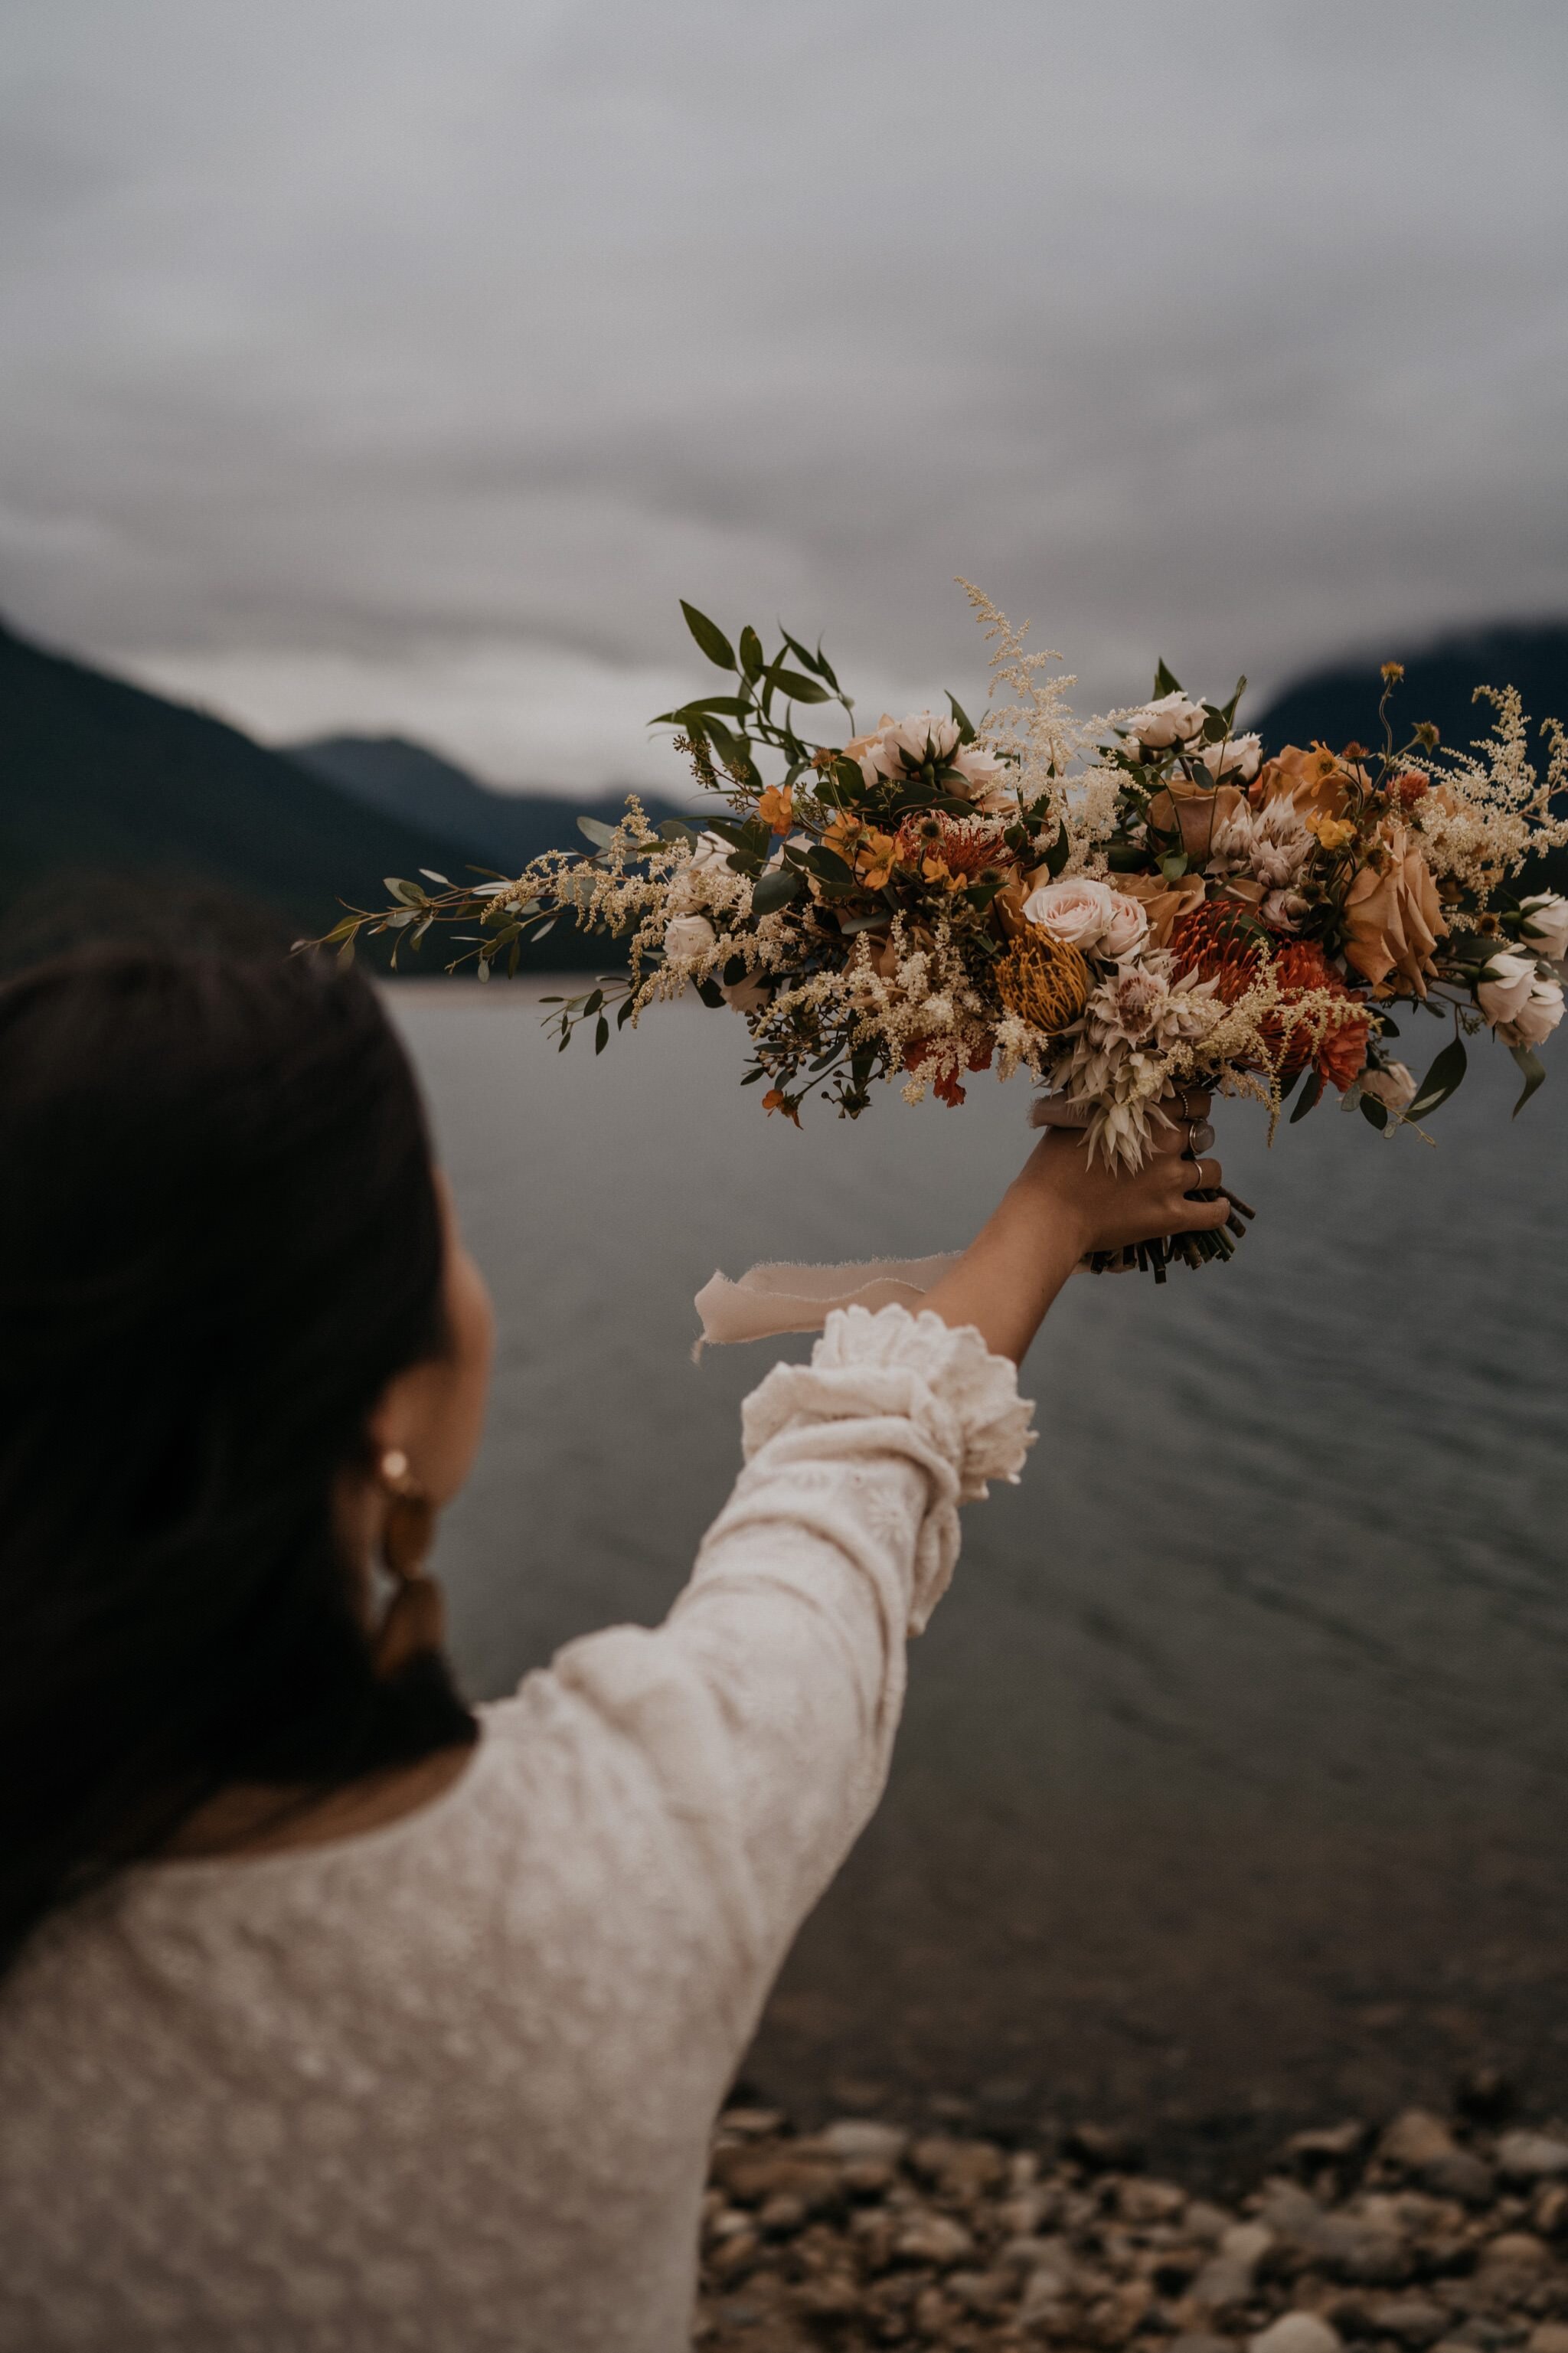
1193 1217
1176 1137
1206 1176
1197 1102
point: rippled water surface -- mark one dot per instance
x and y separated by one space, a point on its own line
1235 1774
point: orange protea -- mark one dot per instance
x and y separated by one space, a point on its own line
950 851
1044 980
1223 942
1301 968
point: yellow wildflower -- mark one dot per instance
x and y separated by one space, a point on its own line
1332 832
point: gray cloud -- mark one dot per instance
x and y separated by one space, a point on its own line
400 365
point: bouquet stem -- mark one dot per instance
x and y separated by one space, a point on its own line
1157 1256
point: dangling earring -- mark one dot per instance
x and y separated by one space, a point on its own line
416 1618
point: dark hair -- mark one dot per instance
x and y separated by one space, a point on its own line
219 1239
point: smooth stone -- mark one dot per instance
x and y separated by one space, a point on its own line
861 2140
1297 2332
1530 2156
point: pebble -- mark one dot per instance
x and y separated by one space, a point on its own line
1297 2332
863 2235
1515 2250
1415 2139
1327 2144
1530 2156
933 2239
1414 2320
860 2140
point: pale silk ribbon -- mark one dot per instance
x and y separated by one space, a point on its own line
778 1297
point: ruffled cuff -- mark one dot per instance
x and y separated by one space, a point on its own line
964 1401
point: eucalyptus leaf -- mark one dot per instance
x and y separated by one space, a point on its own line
1441 1081
828 867
409 893
729 830
1165 681
600 1034
1534 1070
431 876
751 652
729 748
1371 1110
600 834
798 688
709 637
1311 1095
775 889
698 708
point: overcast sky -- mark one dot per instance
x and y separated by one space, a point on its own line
397 364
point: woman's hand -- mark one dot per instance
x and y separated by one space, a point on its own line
1057 1209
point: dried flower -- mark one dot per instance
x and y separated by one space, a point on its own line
1044 979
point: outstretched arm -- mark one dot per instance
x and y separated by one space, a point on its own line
764 1710
1060 1208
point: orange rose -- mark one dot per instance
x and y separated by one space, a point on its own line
1009 904
1163 903
1196 811
1395 919
1316 780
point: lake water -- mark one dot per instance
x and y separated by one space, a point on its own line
1234 1780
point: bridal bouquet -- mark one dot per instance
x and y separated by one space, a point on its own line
1127 909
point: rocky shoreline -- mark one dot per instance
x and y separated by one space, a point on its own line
1422 2235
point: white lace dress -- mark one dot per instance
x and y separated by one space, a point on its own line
449 2084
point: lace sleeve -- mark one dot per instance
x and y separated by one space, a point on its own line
768 1702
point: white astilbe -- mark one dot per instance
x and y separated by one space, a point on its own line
1491 807
1046 741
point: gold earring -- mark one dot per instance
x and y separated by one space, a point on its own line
415 1617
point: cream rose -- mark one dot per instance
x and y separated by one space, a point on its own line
922 735
1174 719
1080 911
1394 1088
987 781
1545 924
1536 1017
1128 930
1239 755
687 939
1503 991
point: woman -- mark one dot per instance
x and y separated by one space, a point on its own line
337 2015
